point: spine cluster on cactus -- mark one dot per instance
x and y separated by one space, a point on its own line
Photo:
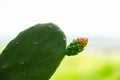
36 53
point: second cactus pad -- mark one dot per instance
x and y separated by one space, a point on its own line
34 54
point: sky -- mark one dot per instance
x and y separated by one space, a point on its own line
87 18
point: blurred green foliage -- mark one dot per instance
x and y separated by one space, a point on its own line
87 67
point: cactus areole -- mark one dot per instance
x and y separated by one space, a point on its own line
36 53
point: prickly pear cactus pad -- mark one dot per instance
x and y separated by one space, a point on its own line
36 53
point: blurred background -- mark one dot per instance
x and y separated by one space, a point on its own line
98 20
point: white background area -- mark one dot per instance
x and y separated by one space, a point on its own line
74 17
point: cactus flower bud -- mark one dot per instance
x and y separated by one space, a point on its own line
76 46
82 41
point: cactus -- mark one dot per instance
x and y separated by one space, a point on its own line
36 53
76 46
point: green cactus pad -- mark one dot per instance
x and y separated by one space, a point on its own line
34 54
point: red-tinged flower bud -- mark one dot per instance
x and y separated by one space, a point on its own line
82 41
76 46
